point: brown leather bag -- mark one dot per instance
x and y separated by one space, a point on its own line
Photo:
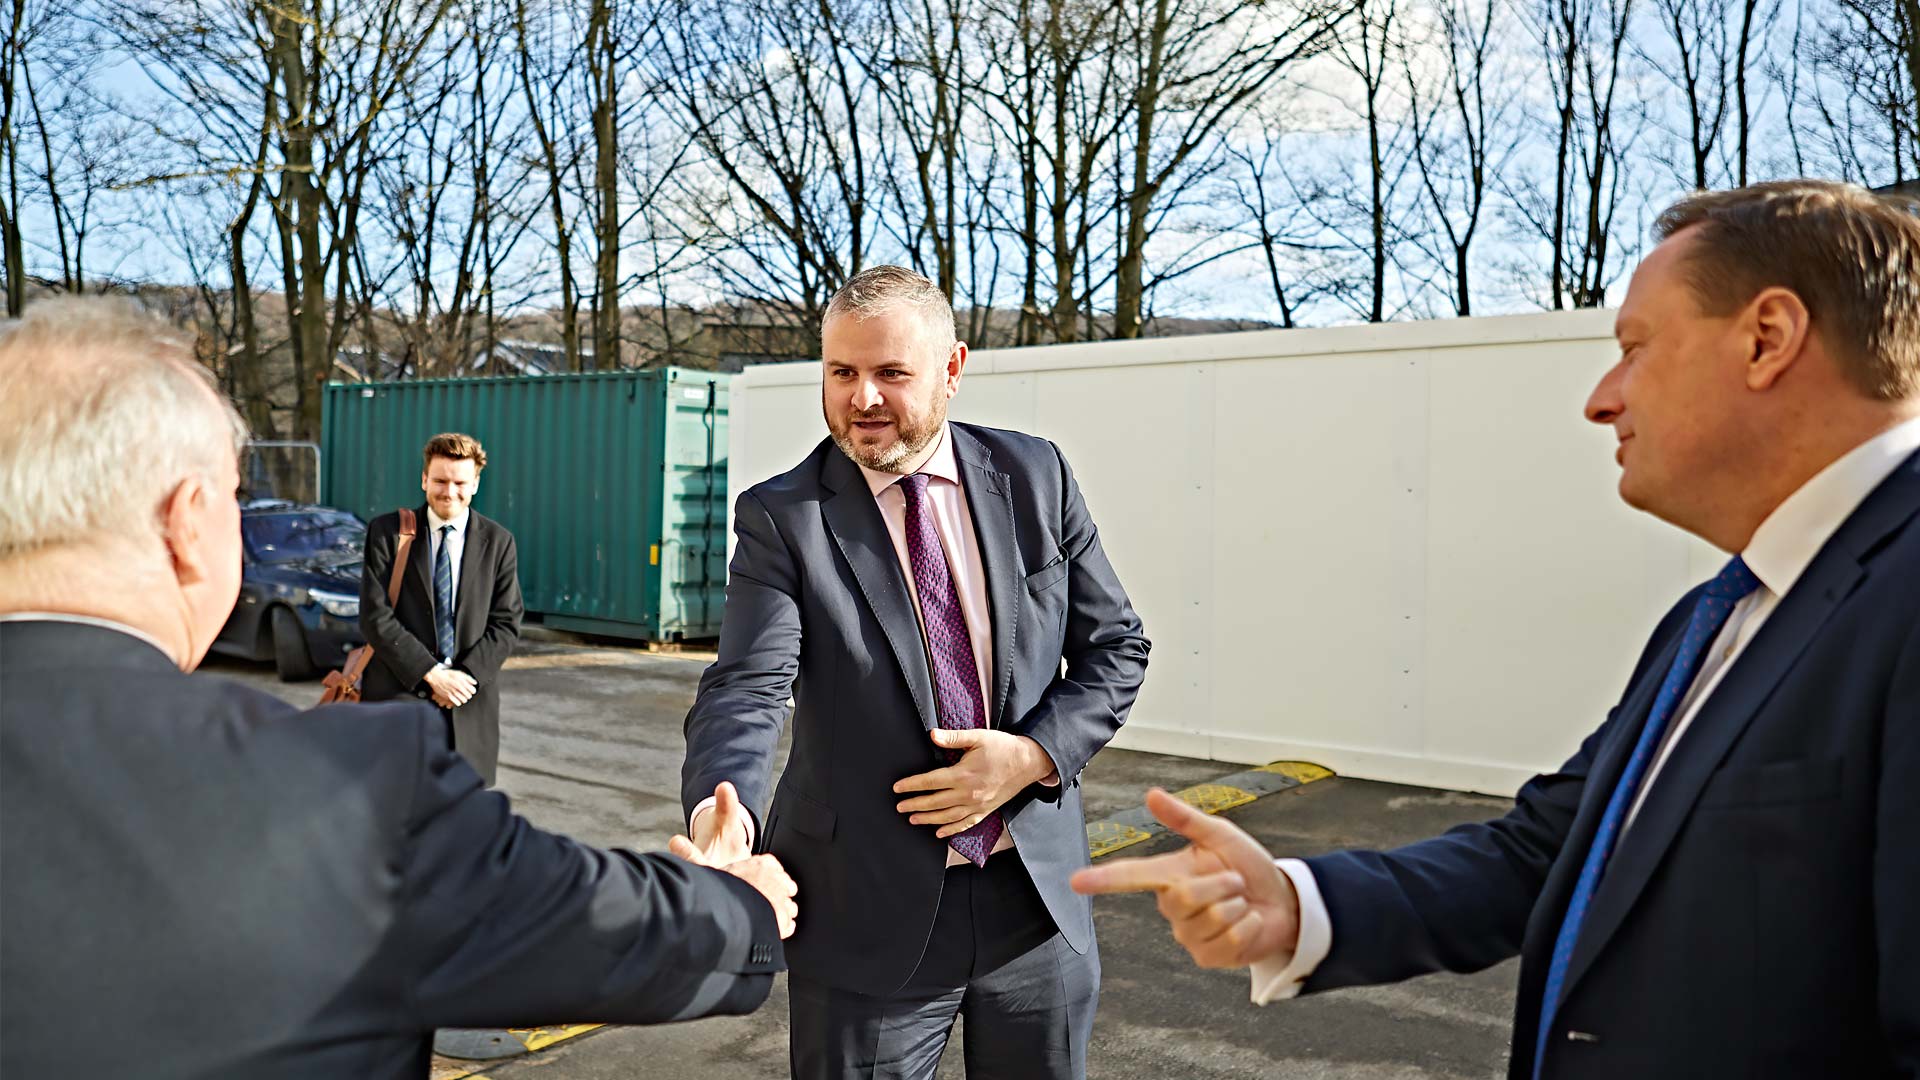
344 685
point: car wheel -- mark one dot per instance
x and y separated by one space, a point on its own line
290 657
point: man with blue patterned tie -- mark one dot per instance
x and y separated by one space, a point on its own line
458 617
1725 879
935 599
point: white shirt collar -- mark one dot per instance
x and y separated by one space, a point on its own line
86 620
942 465
1786 542
459 523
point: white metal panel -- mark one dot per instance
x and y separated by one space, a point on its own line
1394 550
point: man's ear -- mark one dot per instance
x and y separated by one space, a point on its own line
956 363
183 519
1779 325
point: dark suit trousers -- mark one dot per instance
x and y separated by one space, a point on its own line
995 959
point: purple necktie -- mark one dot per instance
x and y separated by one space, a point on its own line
956 681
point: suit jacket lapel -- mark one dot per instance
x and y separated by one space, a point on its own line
853 520
990 501
421 559
1602 775
1827 582
471 603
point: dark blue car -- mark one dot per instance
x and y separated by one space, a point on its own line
300 588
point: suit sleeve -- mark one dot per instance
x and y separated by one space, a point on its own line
483 658
1105 651
508 925
402 654
1896 869
735 723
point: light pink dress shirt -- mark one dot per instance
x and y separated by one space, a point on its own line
951 519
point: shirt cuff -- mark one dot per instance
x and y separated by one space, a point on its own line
705 806
1280 977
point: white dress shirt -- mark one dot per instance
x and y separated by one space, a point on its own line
947 498
1779 552
456 542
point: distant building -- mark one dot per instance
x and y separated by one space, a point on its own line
515 357
507 357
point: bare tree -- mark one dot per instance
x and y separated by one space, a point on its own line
1698 34
1464 131
783 117
1299 264
1193 66
1594 132
919 73
14 58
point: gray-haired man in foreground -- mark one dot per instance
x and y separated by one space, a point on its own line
197 879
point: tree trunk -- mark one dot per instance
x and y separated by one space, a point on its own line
606 265
15 262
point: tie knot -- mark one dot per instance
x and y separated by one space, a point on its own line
1734 581
446 529
914 485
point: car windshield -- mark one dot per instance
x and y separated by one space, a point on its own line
328 536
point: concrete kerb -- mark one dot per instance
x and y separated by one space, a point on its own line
1104 837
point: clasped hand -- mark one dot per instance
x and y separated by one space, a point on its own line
451 688
721 842
994 767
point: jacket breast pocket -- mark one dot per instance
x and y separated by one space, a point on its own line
1049 576
1774 783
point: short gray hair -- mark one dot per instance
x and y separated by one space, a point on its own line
881 289
104 410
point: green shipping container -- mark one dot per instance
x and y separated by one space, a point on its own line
614 484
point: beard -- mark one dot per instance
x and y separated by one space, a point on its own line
910 439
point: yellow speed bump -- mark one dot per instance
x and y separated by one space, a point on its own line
1132 826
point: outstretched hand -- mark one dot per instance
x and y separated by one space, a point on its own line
725 849
1222 896
723 833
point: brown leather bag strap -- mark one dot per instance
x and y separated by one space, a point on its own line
400 556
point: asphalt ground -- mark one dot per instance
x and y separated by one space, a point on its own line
591 746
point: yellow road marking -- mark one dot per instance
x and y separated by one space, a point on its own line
1213 798
1107 837
1304 771
542 1037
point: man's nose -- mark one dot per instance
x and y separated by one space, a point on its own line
867 396
1604 404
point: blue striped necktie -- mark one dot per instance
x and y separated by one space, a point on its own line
1710 613
443 594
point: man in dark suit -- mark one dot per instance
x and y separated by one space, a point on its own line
1722 880
197 879
458 617
915 585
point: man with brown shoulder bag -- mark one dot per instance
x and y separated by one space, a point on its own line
345 684
444 634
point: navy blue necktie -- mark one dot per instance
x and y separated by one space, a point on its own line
1710 613
443 594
